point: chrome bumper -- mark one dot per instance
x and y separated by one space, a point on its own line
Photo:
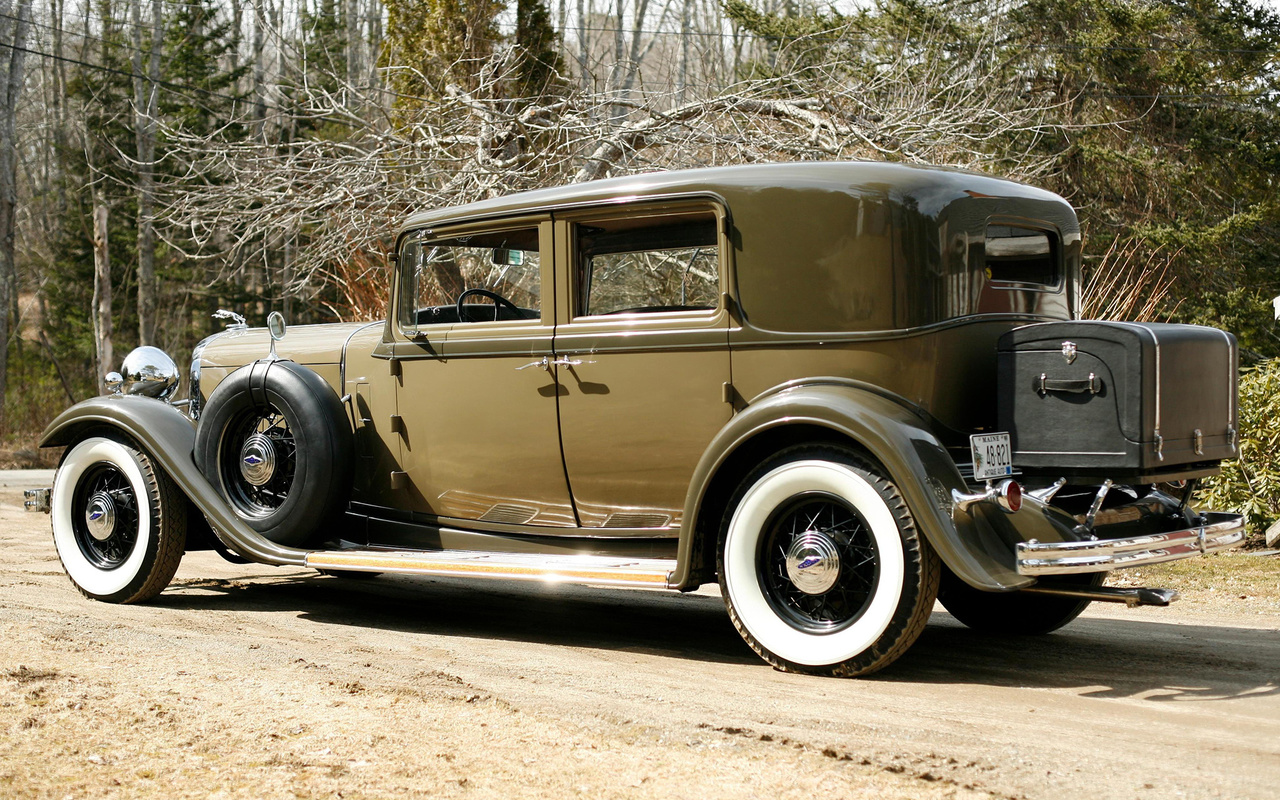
1219 532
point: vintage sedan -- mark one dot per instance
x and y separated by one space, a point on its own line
840 390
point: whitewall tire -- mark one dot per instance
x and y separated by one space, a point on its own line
119 524
821 565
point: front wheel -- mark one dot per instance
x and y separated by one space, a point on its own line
821 565
119 524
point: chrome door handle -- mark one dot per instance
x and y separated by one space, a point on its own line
546 363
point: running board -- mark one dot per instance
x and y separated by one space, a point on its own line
598 570
1136 596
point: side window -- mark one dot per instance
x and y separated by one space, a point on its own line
648 264
1021 256
497 276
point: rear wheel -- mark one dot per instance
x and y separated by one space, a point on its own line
821 565
1015 613
119 524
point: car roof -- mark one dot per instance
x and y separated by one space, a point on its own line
900 182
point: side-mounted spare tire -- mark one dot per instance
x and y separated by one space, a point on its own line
275 441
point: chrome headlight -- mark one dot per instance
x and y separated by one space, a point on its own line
150 372
194 394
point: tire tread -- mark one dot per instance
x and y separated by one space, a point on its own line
164 497
916 549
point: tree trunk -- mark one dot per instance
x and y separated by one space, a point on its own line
682 78
353 49
259 77
14 30
101 291
635 56
375 45
59 116
583 43
619 47
145 98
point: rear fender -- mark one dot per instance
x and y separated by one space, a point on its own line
168 437
980 551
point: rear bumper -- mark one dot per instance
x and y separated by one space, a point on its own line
1218 531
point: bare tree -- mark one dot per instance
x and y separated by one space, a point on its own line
472 144
146 93
102 322
13 33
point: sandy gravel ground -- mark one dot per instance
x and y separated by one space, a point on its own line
247 681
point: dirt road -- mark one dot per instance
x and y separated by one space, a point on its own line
247 681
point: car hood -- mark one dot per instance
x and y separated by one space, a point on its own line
305 344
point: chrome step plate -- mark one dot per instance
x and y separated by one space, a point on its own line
601 570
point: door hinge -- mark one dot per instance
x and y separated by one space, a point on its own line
731 306
397 424
729 394
399 480
394 367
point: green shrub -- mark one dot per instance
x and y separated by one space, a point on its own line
1250 484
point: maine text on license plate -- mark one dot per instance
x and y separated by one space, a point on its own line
992 455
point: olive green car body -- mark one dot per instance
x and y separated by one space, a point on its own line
853 307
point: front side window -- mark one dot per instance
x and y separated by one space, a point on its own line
649 264
484 277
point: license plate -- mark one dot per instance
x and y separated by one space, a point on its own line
992 455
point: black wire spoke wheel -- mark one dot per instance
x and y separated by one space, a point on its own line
104 516
258 461
818 563
275 440
119 521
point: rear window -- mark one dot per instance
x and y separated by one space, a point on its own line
1022 256
640 265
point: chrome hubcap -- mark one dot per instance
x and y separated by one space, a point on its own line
257 460
813 562
100 516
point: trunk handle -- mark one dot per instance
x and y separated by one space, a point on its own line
1092 385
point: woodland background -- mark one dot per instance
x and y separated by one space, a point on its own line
161 159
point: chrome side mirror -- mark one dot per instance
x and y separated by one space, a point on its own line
275 327
147 371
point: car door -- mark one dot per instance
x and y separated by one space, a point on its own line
642 355
476 405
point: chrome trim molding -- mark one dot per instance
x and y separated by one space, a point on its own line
342 358
594 570
1218 531
1065 453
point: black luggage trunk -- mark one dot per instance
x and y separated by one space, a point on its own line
1118 399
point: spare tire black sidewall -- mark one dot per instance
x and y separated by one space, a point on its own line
323 461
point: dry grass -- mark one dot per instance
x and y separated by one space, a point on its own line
1242 580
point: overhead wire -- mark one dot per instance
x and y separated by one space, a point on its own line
181 88
833 36
176 88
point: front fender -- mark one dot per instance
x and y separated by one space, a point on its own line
168 437
900 440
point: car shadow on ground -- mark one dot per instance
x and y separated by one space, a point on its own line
1107 658
656 622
